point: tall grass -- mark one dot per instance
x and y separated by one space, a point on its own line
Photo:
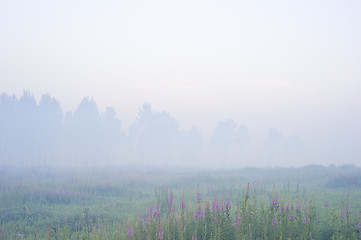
120 204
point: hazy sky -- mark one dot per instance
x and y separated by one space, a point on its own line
291 65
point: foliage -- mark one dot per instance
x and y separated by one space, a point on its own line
159 204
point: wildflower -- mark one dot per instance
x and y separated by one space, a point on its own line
215 206
298 209
182 205
157 211
228 204
170 200
171 203
347 208
150 211
342 214
130 233
275 203
222 207
289 207
238 222
359 225
198 215
326 204
161 235
199 197
292 217
306 220
274 222
283 209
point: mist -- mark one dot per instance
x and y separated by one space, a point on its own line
192 119
39 133
191 84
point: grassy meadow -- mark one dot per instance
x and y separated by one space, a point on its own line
312 202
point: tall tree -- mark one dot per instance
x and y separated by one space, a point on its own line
111 134
51 121
227 142
8 128
86 130
155 135
27 129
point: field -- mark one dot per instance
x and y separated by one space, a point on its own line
312 202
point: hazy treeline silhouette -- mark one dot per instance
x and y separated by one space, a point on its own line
36 134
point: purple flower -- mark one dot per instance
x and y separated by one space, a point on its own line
228 204
275 203
199 197
274 222
157 211
326 204
150 211
222 207
130 233
359 225
198 215
182 205
215 206
160 235
283 209
306 220
238 222
342 214
292 217
298 209
171 203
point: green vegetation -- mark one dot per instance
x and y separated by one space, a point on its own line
313 202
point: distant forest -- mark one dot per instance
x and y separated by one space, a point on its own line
41 134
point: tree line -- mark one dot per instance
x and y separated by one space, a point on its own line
40 134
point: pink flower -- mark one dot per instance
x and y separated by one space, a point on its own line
130 233
274 222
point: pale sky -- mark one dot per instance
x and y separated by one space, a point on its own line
290 65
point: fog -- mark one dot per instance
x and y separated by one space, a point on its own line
37 134
206 84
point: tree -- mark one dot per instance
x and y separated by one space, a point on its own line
190 145
227 141
27 129
51 121
111 133
86 131
154 134
8 128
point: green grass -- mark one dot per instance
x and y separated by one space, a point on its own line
104 203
